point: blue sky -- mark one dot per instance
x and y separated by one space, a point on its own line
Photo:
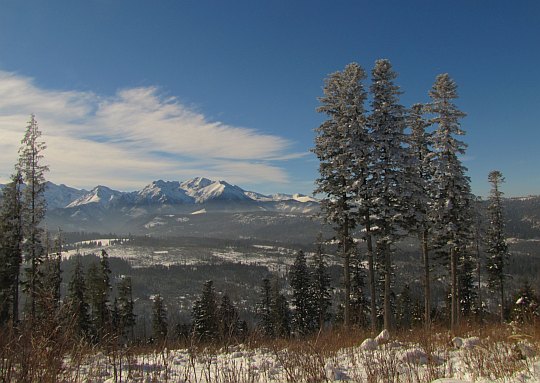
127 92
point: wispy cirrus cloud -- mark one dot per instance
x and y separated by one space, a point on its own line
131 138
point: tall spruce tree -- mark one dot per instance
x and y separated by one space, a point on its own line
78 307
281 312
321 286
420 174
264 309
11 237
229 321
159 318
496 244
451 212
388 179
49 295
340 145
126 315
33 171
99 287
304 318
205 319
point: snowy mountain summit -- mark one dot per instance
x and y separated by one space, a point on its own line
198 190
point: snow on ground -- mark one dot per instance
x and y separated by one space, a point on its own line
387 361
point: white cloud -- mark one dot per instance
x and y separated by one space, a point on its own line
127 140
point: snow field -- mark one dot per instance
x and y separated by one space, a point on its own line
386 360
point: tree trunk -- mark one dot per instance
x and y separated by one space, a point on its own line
387 287
454 290
427 281
502 300
371 272
346 274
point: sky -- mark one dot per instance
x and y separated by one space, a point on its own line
127 92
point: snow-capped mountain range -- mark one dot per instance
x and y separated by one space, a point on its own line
198 190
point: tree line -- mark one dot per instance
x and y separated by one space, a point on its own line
387 172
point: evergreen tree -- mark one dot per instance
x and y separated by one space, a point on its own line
420 172
229 321
304 318
126 317
159 318
360 309
78 307
99 287
205 320
11 237
467 284
264 309
340 145
404 315
388 182
34 206
496 245
526 306
321 286
281 313
49 295
451 212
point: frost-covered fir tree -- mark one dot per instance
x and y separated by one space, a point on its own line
33 171
321 286
229 321
99 287
205 319
281 312
420 180
451 211
340 144
49 294
360 309
388 180
264 309
11 237
305 317
126 315
496 245
77 304
159 319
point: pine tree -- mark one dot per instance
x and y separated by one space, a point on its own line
281 313
264 309
229 320
340 146
11 237
49 295
34 206
527 304
404 316
126 316
99 287
304 318
159 318
359 305
420 174
451 212
78 307
205 320
321 286
496 245
388 182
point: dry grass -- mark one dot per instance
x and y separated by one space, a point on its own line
48 354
